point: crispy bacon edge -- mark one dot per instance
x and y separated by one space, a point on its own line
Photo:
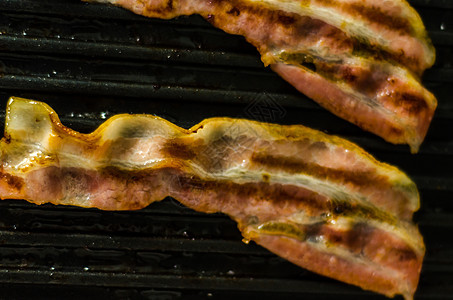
316 200
361 60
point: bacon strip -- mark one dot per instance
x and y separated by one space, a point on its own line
319 201
359 59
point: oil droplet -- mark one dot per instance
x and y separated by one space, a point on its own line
230 272
86 269
443 26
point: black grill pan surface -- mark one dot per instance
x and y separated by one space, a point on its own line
91 61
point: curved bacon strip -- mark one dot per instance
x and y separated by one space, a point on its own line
355 58
317 200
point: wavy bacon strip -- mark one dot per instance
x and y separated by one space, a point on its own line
317 200
360 59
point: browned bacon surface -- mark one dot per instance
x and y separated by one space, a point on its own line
361 60
316 200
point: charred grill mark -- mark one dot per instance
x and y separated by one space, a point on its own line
376 15
405 254
358 239
372 14
369 81
365 80
292 165
364 49
296 28
262 191
177 149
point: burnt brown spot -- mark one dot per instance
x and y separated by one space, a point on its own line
161 9
178 149
285 19
349 76
395 131
365 80
411 103
326 2
313 230
13 182
318 146
234 11
170 5
357 237
6 139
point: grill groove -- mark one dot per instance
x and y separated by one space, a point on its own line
110 61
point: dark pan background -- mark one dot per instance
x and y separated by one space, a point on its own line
92 61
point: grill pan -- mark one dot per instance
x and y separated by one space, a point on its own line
90 62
